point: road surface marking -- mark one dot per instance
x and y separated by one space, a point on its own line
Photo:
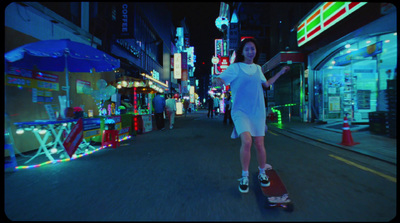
273 133
393 179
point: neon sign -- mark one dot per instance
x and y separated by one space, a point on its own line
324 17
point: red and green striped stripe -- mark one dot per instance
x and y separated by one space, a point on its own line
324 17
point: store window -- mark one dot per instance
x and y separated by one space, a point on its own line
354 81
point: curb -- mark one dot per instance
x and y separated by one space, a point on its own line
283 131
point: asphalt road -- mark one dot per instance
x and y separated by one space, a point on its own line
190 174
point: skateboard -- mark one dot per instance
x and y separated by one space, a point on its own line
276 193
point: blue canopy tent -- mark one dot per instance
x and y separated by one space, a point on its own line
61 55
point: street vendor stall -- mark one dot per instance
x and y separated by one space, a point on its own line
34 75
136 97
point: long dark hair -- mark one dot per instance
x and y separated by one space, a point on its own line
239 51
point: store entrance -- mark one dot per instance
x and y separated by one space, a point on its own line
349 90
332 97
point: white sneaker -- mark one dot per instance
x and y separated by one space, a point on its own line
263 178
244 184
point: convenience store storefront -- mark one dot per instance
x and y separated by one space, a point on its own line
349 75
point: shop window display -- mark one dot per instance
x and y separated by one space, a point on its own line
354 81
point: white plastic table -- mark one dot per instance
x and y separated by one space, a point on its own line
54 128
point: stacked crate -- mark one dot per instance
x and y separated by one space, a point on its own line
378 122
392 102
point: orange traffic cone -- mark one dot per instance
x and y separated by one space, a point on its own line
347 139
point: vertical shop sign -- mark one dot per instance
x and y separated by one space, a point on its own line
190 56
125 21
218 47
233 36
187 40
184 66
218 53
224 63
180 41
177 66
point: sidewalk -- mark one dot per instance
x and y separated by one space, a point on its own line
376 146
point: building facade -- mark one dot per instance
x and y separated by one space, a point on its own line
349 73
141 35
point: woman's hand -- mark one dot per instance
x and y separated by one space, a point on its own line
284 70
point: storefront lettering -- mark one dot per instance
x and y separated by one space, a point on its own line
124 18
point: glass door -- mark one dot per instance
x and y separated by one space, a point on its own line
333 100
364 79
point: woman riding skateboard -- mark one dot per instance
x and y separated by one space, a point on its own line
248 113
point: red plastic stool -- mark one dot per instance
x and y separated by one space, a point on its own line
110 137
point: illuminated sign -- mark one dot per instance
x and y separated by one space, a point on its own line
245 37
155 74
224 63
180 40
214 60
190 54
325 16
177 66
368 51
221 23
233 36
218 47
152 79
184 66
124 19
31 79
219 50
191 94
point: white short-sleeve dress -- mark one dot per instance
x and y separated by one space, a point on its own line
248 107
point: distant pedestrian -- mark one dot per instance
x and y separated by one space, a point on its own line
186 106
170 107
216 105
228 106
246 80
159 106
210 105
